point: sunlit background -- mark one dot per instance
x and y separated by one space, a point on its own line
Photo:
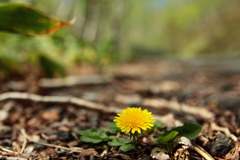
108 32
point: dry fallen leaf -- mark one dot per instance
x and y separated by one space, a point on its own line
51 115
88 152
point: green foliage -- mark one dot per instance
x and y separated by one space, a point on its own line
127 147
188 130
168 137
124 143
8 65
25 19
50 66
155 126
119 141
94 135
113 129
98 135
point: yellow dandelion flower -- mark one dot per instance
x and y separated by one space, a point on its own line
134 119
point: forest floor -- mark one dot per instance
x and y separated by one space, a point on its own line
39 118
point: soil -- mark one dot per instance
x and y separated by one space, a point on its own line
39 117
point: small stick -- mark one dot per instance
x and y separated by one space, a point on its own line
57 99
14 158
11 153
151 103
225 130
162 103
202 152
24 144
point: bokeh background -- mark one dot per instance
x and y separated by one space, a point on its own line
108 32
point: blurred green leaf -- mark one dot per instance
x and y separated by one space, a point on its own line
127 147
94 135
156 125
90 132
25 19
119 141
188 130
115 142
50 66
93 139
124 140
9 66
105 46
168 137
113 128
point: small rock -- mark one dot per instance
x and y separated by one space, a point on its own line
6 142
39 147
62 153
64 135
220 146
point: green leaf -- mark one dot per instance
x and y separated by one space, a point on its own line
90 132
94 135
168 137
124 140
103 136
119 141
113 128
85 132
9 66
25 19
188 130
111 137
155 125
50 66
115 142
127 147
91 139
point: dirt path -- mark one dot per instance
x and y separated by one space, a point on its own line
40 120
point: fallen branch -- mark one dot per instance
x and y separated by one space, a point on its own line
159 103
58 99
78 102
154 103
173 105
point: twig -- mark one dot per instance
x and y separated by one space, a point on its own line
58 99
154 103
162 103
225 130
202 152
23 131
11 153
24 144
14 158
62 99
